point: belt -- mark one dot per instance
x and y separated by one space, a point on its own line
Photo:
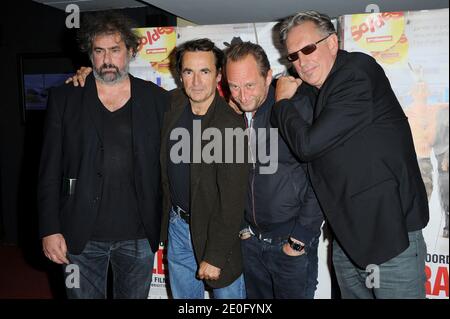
182 213
266 237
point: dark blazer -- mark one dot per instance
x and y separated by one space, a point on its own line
361 157
218 193
72 149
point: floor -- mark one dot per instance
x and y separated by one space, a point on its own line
27 276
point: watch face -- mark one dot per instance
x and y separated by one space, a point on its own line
296 246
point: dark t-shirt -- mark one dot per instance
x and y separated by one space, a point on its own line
118 217
179 173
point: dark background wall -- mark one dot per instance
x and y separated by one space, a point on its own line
27 27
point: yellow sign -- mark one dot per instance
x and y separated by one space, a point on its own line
156 46
376 32
397 53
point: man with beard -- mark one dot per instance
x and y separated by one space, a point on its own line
99 180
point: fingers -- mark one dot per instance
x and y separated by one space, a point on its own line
291 79
208 272
69 80
210 276
63 249
213 277
207 276
78 79
286 87
73 79
56 257
202 273
55 248
84 72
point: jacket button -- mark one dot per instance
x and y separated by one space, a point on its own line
99 174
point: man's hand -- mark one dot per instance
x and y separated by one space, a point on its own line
286 87
291 252
208 272
80 76
234 106
55 248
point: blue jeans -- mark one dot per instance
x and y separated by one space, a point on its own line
132 267
400 277
271 274
183 266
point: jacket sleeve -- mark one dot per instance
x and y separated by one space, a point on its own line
50 172
347 110
310 207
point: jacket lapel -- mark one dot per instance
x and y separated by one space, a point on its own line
178 101
139 118
323 94
91 102
195 168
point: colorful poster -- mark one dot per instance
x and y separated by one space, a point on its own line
152 62
413 49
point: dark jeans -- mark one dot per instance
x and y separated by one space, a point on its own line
271 274
132 265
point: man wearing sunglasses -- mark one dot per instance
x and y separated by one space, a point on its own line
361 161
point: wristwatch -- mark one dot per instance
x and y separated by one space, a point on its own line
295 246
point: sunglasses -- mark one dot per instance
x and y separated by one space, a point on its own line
310 48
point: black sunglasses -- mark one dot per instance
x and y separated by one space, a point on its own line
310 48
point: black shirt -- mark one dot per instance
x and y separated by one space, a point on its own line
179 173
118 217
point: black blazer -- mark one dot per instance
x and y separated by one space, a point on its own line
361 157
72 149
218 194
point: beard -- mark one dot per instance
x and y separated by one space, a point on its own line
113 75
